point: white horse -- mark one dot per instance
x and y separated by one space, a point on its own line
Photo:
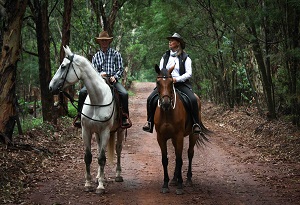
99 114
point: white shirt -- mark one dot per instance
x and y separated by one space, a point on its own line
175 73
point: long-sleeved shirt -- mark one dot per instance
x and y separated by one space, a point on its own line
109 62
175 73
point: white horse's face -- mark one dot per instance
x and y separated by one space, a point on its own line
66 75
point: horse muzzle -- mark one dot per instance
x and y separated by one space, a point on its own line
165 102
55 89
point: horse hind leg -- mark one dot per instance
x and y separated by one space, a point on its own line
119 147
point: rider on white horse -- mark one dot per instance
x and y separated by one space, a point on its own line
109 63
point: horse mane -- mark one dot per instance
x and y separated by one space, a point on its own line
84 60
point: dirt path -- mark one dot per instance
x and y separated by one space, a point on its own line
223 172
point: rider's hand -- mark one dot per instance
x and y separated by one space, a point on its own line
112 79
103 74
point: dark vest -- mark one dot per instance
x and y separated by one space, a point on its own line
182 57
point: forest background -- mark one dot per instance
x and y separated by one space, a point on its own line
244 53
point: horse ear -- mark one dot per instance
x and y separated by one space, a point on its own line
68 51
157 70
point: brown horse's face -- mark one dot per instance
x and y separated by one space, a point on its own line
165 88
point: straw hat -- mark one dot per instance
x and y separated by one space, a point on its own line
103 36
177 37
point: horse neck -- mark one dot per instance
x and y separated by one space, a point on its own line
98 90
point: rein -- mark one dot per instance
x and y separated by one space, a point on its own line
70 58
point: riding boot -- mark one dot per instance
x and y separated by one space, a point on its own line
196 127
81 99
148 127
125 120
151 105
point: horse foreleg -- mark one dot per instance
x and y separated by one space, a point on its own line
178 166
174 179
88 177
119 147
87 159
164 157
101 161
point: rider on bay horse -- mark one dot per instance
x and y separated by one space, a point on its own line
181 75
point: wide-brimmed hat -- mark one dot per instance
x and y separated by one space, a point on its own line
103 36
177 37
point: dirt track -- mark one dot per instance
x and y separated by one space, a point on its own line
221 172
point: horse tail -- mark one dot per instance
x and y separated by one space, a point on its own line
202 138
111 148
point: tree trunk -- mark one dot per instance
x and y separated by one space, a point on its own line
8 65
293 32
266 80
108 21
66 33
43 42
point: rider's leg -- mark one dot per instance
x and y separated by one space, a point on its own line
124 102
82 95
194 107
151 105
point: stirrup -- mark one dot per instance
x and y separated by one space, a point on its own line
195 130
148 127
125 122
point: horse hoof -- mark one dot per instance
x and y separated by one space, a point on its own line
165 190
179 191
88 188
173 182
119 179
100 191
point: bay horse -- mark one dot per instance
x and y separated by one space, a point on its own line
172 121
99 114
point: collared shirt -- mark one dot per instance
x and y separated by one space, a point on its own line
110 62
175 73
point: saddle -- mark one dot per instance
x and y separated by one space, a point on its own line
186 102
120 112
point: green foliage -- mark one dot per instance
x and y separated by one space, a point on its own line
71 109
30 123
219 39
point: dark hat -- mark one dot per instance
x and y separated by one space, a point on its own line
103 36
177 37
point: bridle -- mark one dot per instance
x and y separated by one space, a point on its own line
70 58
172 100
